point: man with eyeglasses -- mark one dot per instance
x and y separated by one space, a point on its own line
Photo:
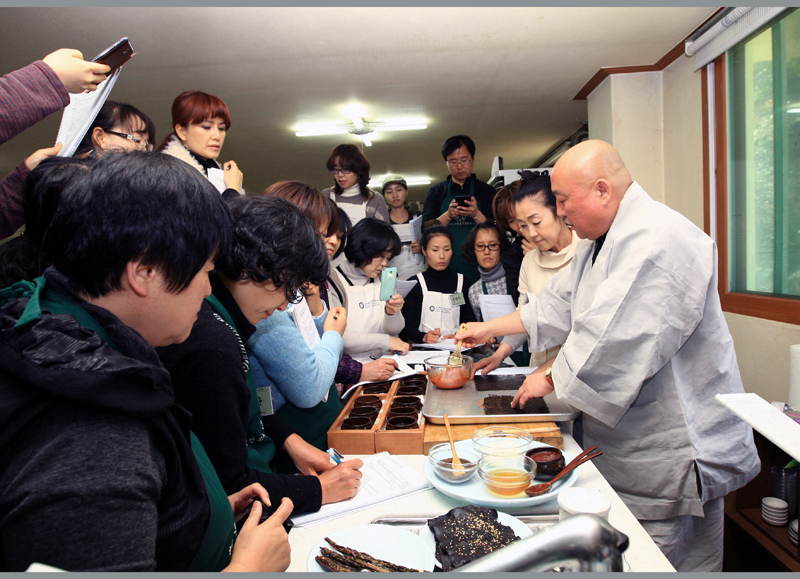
459 202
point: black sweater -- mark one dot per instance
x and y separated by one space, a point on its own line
438 281
209 379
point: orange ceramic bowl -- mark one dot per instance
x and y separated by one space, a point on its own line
448 376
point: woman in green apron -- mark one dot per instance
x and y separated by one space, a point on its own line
300 372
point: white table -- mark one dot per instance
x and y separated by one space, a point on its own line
642 554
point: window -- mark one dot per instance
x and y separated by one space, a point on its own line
756 87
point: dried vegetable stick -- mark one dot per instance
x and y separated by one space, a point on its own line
371 562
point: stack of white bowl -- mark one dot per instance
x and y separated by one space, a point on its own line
775 511
793 531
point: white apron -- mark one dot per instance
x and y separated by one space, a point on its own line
355 212
436 309
365 308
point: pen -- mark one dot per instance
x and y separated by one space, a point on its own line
335 455
336 316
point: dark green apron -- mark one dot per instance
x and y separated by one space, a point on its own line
312 425
522 358
260 447
214 552
460 229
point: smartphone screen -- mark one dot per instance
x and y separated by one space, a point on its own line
462 200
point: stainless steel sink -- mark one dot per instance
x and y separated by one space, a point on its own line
580 543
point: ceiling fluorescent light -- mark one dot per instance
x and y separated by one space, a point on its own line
409 182
400 127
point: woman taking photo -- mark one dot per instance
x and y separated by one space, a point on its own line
350 370
485 246
373 324
350 170
200 122
395 192
535 209
432 310
118 127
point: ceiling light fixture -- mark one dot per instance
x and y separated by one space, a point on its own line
359 126
412 181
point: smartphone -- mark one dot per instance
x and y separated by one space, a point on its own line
266 512
388 283
116 55
462 200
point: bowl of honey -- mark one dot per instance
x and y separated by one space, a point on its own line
507 475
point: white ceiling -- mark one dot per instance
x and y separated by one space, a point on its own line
504 76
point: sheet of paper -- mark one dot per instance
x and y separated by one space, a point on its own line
304 321
416 228
765 418
494 306
217 178
405 232
404 287
448 345
79 115
385 478
403 369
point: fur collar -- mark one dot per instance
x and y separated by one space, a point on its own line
175 148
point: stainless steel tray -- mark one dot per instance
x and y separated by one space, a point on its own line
462 407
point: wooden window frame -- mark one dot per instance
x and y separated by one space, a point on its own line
767 307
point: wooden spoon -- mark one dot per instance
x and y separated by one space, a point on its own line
458 468
456 357
542 488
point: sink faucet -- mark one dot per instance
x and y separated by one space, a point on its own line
582 542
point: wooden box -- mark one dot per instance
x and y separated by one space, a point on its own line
375 440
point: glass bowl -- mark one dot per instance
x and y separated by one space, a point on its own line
448 376
507 475
502 440
440 456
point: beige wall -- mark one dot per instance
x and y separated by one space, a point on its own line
668 161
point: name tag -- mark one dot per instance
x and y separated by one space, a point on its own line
265 400
457 299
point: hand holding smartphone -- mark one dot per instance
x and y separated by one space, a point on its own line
116 55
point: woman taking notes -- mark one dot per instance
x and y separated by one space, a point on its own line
436 305
372 324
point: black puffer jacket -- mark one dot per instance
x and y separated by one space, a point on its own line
97 470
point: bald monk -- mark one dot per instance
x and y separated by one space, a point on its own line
646 349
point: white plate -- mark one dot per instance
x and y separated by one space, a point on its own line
520 529
474 491
391 544
774 503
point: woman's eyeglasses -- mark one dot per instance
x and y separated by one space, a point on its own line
138 141
341 171
490 247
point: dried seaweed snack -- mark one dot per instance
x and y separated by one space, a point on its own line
363 560
493 382
465 534
493 405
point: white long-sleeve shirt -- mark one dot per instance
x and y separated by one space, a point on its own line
645 350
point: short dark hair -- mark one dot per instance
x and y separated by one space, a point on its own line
273 240
22 257
503 206
369 239
351 158
316 206
468 249
430 232
537 185
116 114
137 206
454 143
345 226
